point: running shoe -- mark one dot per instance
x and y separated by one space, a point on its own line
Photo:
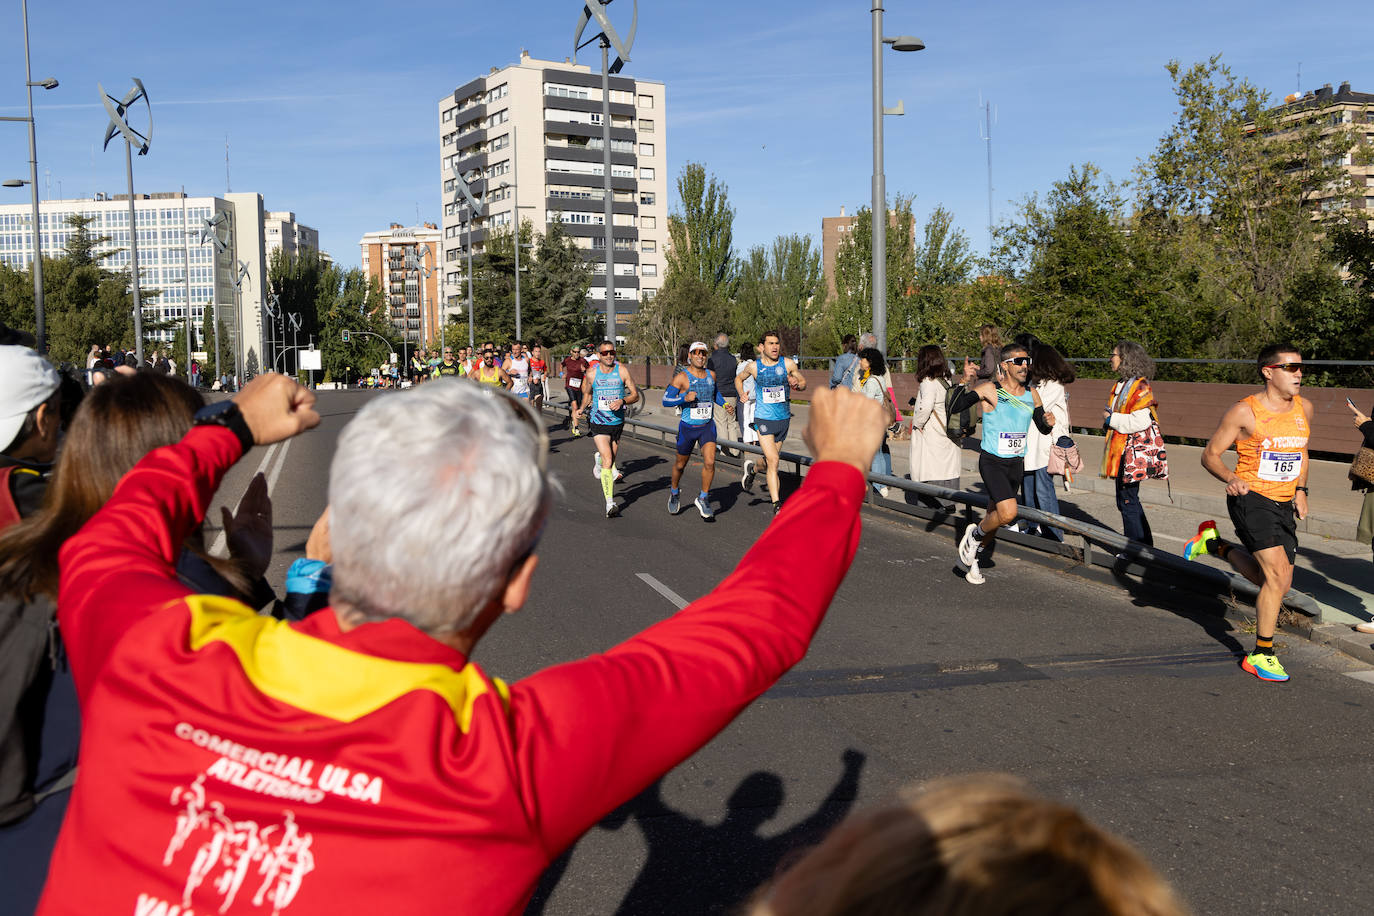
596 466
777 507
968 548
1264 667
612 510
748 480
617 473
974 576
674 503
1206 533
705 509
575 431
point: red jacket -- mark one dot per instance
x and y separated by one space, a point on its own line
239 764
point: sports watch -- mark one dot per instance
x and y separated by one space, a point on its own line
226 413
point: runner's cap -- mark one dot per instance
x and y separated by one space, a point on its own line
26 380
698 345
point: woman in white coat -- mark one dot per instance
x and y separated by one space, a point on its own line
934 456
1050 372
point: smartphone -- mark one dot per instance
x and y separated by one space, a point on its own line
1352 404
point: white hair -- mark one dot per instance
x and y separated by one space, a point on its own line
868 340
435 495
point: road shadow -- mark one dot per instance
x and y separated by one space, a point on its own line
693 867
1332 574
644 485
1156 588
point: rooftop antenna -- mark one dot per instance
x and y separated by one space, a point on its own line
227 187
417 213
985 134
1299 89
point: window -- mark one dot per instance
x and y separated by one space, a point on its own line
566 92
650 270
500 142
448 115
622 96
619 171
500 92
648 246
646 101
646 149
646 174
646 125
646 199
648 222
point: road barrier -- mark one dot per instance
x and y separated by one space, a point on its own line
1097 546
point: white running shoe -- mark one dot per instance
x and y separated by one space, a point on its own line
612 510
748 480
596 465
617 473
968 548
705 509
974 576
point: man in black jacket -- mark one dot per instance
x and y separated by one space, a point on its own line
723 363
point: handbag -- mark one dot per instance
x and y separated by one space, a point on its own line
1145 456
1064 458
1362 468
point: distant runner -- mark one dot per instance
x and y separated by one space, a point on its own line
488 373
574 370
772 375
694 391
608 390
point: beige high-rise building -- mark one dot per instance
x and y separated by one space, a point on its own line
280 230
1340 109
394 256
532 132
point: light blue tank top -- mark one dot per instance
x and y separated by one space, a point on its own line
606 387
1005 429
773 393
699 412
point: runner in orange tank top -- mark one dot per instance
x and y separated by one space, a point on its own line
1265 494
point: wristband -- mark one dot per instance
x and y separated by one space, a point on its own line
227 414
1304 489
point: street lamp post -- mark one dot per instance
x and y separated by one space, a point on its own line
879 214
40 320
423 273
119 125
608 37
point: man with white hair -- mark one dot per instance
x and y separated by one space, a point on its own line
358 761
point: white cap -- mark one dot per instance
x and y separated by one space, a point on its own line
698 345
26 380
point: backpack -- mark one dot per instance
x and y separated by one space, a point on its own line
957 426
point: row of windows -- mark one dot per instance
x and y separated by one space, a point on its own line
596 168
108 218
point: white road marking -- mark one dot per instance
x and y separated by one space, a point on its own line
275 450
678 601
1366 676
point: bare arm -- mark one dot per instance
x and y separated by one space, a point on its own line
746 372
794 376
505 379
631 390
1300 497
1236 421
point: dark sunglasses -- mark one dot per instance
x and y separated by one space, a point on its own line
606 353
1286 367
1018 360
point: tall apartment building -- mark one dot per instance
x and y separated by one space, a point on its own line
169 244
394 257
280 230
532 133
1335 110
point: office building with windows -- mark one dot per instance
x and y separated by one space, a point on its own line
395 256
531 135
1339 109
169 245
281 230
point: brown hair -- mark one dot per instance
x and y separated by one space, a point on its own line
971 846
931 363
989 336
117 424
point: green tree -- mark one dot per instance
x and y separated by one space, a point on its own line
852 311
682 312
295 278
348 300
557 288
779 287
701 232
206 340
942 265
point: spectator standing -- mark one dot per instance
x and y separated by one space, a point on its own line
935 458
872 369
195 373
729 421
846 364
1132 425
990 339
160 363
1050 373
378 726
749 435
1364 533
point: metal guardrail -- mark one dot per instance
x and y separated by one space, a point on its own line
1090 536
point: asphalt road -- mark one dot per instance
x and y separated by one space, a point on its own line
1249 797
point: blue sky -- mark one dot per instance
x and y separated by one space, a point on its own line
330 108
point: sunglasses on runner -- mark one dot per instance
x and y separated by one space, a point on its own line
1018 360
606 353
1286 367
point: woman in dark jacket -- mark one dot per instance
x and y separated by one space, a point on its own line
1365 533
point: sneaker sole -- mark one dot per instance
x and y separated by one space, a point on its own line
973 577
705 514
968 546
1261 675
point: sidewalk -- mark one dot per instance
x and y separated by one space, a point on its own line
1332 568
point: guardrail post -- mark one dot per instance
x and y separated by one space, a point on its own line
1087 550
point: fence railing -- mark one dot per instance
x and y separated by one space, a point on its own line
1096 546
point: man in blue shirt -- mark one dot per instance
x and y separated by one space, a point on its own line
772 373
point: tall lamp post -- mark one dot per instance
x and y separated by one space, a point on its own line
900 43
240 275
210 232
462 198
608 37
117 109
423 273
40 321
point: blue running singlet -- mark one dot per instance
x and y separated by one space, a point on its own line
772 392
607 387
699 412
1005 429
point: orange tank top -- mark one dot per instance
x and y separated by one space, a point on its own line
1271 460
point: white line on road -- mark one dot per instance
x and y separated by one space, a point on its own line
276 450
678 601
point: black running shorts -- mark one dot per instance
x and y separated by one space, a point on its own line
1262 523
1001 476
612 430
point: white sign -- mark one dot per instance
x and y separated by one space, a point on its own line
310 359
393 357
